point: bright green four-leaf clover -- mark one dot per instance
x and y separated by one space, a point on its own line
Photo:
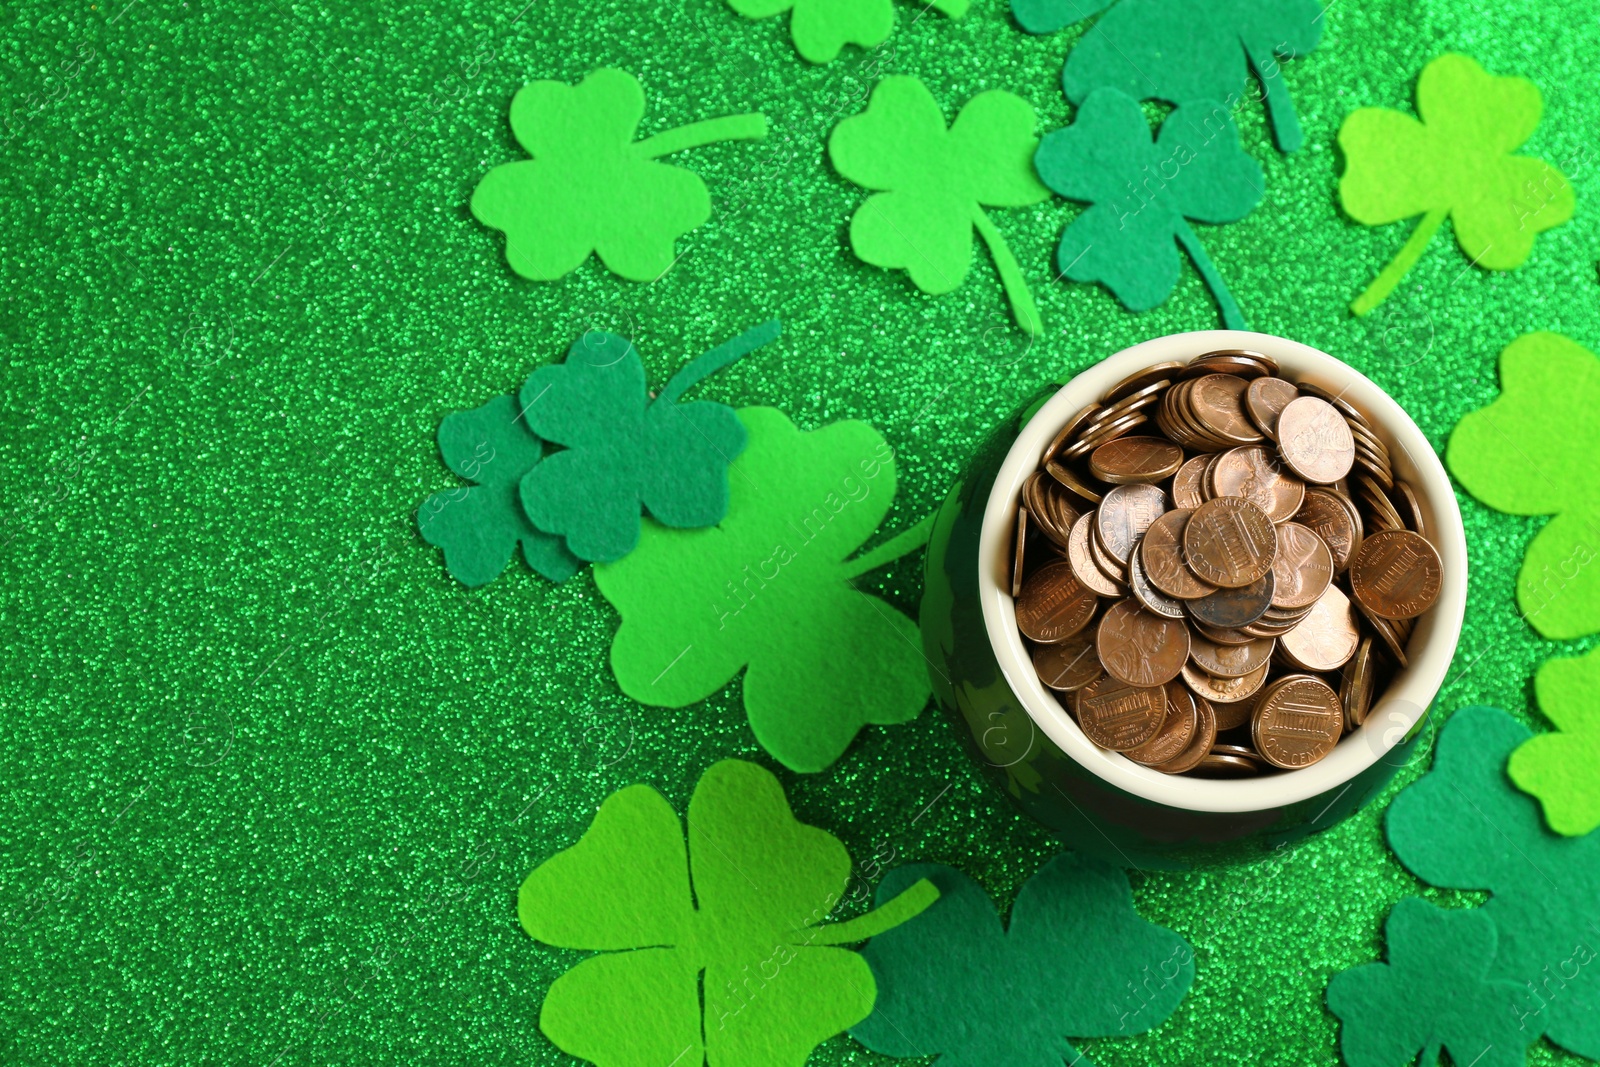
821 28
1562 768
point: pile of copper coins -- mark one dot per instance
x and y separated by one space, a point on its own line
1216 568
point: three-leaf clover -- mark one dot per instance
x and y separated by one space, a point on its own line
1562 768
1463 826
480 526
934 184
590 186
625 450
1142 192
1077 961
1178 50
768 591
1531 452
1433 993
736 912
1455 163
821 28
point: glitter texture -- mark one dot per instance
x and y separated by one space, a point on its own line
273 778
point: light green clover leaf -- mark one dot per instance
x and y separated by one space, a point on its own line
742 905
934 184
821 28
590 186
1456 163
1562 768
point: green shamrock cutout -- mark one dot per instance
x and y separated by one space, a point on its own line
625 450
1455 163
1463 826
1142 192
1433 993
768 591
1178 50
1562 768
591 187
1543 420
821 28
737 912
480 526
1076 961
933 184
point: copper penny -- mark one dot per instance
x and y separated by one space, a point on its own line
1161 552
1067 432
1119 716
1265 400
1065 477
1140 647
1109 567
1130 460
1355 688
1053 512
1080 557
1411 508
1217 635
1327 637
1254 473
1098 434
1297 722
1315 441
1233 609
1069 666
1148 596
1330 519
1054 605
1396 574
1205 735
1187 483
1302 569
1143 379
1124 515
1240 361
1229 542
1388 631
1225 691
1217 765
1177 729
1022 541
1218 401
1229 661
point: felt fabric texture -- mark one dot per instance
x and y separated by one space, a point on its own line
1179 50
480 526
1433 994
1562 768
625 450
1141 192
590 186
1463 826
1532 452
934 183
768 589
743 901
1076 961
1455 163
821 28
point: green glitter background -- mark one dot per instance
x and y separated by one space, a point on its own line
272 779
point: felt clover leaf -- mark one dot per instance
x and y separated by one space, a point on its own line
933 184
1142 192
821 28
1455 163
737 913
479 527
1531 452
768 591
590 186
1077 961
1463 826
623 450
1433 993
1178 50
1562 769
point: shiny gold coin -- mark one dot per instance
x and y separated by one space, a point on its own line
1069 666
1081 558
1187 484
1254 473
1177 729
1205 735
1396 575
1296 722
1338 525
1314 440
1139 647
1303 568
1119 716
1229 542
1124 515
1130 460
1161 552
1053 604
1022 541
1265 400
1229 661
1327 637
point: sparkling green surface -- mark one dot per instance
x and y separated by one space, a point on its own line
272 780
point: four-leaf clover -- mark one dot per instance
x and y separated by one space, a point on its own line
1532 452
590 186
1562 768
1142 192
1180 50
821 28
1455 163
625 450
732 921
1077 961
934 184
1433 993
768 591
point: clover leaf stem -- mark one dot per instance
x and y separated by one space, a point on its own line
1232 317
727 128
1286 132
1022 305
905 906
890 550
1410 252
708 363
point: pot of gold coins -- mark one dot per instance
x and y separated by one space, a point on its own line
1196 603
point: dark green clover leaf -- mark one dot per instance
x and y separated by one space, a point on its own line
480 526
623 450
1433 993
1142 192
1077 961
1178 50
